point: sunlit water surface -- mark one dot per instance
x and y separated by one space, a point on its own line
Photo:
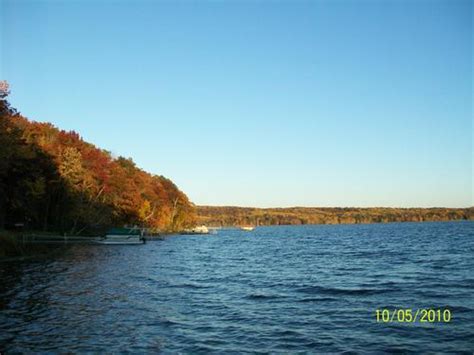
276 289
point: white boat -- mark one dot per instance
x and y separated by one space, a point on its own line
247 228
196 230
123 236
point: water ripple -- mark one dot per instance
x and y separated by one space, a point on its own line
305 289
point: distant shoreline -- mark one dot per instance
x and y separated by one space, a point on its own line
236 216
330 224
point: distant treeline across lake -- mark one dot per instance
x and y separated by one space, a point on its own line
234 216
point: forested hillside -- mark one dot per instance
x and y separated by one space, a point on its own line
53 180
235 216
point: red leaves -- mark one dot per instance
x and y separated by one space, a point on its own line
100 183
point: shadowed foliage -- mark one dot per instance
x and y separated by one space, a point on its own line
52 180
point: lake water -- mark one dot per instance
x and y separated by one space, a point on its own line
277 289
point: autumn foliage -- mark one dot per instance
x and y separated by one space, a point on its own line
235 216
52 180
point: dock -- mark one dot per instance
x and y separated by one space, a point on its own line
58 239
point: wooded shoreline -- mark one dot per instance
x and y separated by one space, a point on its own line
52 180
236 216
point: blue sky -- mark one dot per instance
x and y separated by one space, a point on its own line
259 103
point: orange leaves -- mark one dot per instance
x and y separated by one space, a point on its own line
98 188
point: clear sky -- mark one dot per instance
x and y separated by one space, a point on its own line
259 103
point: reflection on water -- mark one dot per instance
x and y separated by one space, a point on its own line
276 289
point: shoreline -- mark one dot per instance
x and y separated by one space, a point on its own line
237 216
337 224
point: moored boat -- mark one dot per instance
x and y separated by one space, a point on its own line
196 230
247 228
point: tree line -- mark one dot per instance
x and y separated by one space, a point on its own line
52 180
238 216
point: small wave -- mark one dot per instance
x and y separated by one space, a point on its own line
188 285
163 322
289 335
458 309
438 266
317 299
341 291
350 269
260 296
433 293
